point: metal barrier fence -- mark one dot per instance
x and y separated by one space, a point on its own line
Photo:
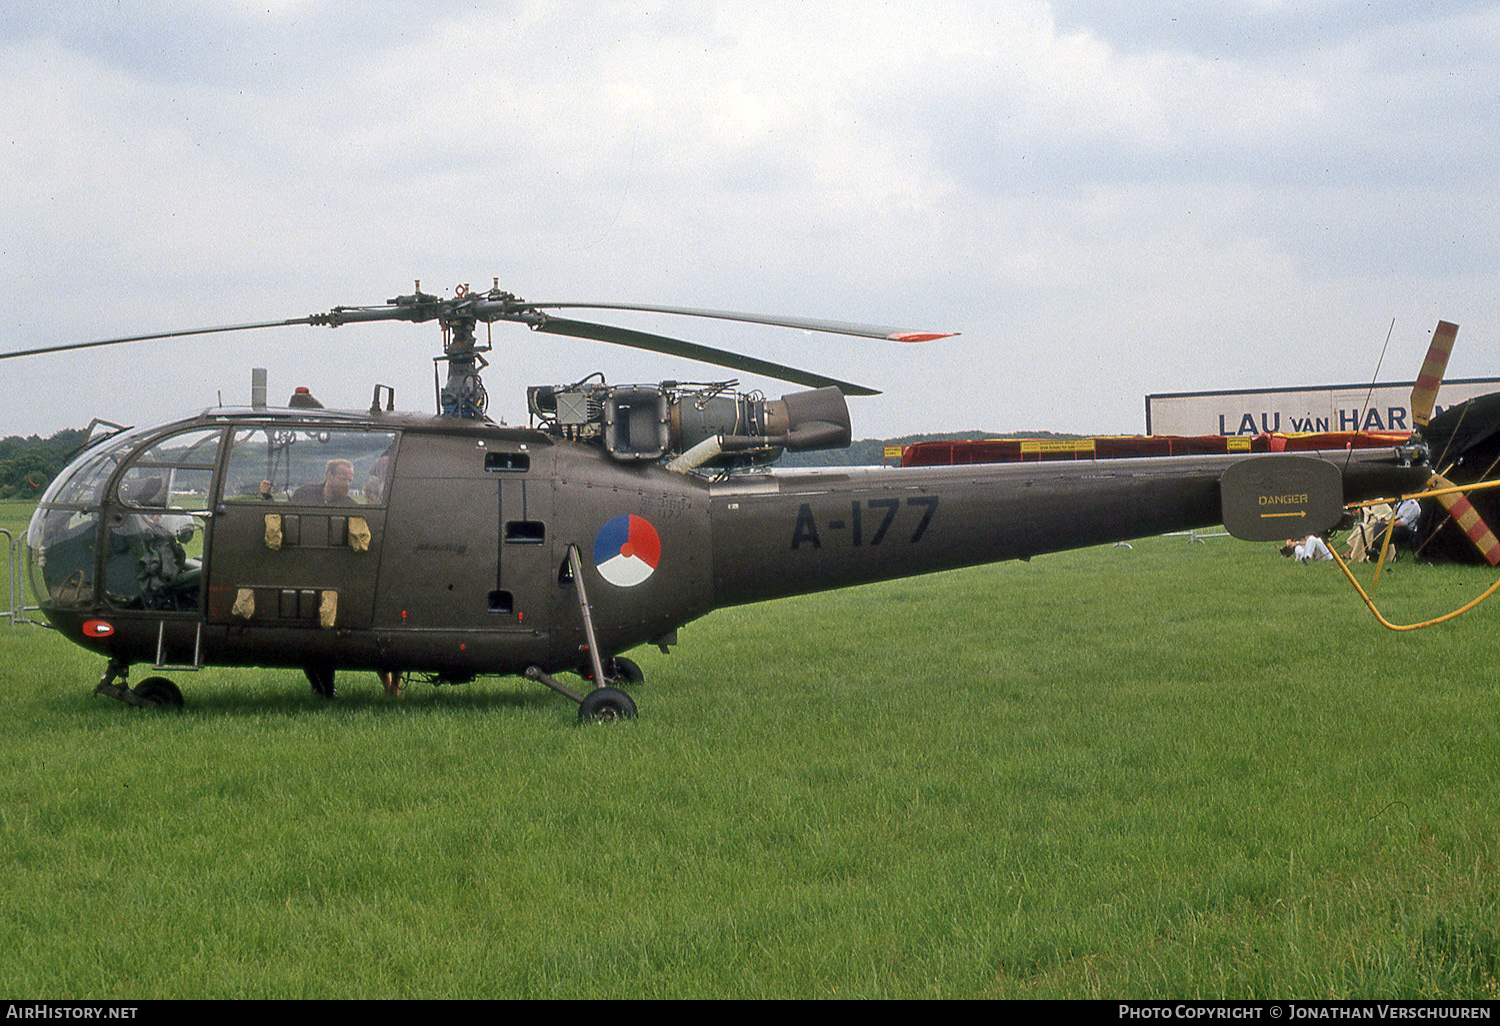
1199 535
15 583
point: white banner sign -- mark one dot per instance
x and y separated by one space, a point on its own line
1320 408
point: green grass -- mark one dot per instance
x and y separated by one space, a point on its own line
1171 770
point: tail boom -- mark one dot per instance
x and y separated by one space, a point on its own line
789 534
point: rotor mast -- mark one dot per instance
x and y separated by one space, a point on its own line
463 394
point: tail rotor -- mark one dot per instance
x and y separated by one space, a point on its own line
1447 440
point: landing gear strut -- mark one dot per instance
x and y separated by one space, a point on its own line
601 705
151 693
604 704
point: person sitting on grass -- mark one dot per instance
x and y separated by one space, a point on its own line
1307 550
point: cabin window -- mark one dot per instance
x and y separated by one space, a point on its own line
310 466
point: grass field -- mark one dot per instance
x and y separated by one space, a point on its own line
1173 770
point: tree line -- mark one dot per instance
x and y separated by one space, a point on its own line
28 465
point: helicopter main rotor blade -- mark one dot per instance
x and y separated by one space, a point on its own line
414 308
889 334
502 306
65 347
694 351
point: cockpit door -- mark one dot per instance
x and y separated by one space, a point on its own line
157 524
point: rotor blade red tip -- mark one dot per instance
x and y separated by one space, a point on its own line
920 336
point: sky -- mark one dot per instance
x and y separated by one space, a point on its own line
1106 200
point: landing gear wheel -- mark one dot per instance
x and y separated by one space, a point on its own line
605 705
624 673
321 679
158 691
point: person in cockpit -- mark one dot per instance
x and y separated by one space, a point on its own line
334 488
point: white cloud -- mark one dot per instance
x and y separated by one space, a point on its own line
1108 201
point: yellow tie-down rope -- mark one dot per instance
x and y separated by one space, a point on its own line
1385 548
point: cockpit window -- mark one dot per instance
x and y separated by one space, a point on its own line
188 449
310 466
175 473
64 530
82 482
153 557
167 487
61 543
153 523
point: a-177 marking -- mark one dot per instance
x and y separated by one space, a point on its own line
873 515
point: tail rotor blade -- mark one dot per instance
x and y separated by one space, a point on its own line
1463 512
1424 395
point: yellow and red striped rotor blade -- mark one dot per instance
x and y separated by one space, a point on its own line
1424 395
1468 519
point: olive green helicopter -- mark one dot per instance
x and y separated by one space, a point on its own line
447 547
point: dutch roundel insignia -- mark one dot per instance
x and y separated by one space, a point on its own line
626 550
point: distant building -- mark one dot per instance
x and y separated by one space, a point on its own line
1384 407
